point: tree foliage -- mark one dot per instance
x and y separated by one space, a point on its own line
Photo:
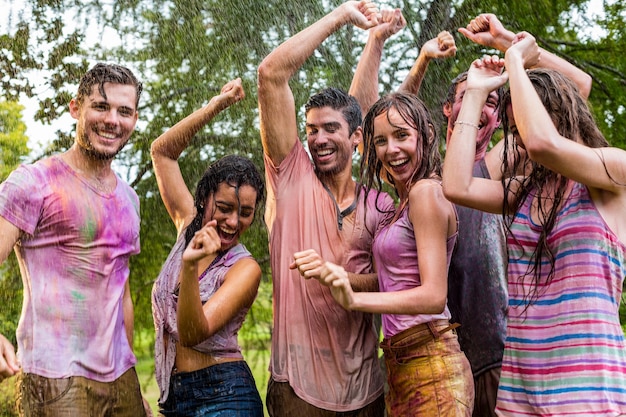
186 50
13 149
13 140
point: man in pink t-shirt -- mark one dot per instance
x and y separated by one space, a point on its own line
74 225
324 358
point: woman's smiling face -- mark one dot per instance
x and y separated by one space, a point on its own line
233 210
396 143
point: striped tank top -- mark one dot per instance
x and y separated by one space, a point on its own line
565 353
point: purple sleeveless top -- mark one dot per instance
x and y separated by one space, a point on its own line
222 344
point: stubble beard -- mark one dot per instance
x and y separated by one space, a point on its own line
87 148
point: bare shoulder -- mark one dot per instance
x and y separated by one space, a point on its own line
247 266
426 195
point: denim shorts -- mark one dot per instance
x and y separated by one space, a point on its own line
225 390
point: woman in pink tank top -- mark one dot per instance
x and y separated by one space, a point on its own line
427 373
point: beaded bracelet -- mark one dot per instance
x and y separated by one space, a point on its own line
460 122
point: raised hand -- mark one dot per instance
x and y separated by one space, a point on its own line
487 30
390 22
443 46
206 242
486 74
362 14
525 46
336 278
231 93
308 262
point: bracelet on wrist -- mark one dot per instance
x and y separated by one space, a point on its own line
460 122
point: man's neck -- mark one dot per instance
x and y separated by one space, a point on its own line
86 164
342 187
95 171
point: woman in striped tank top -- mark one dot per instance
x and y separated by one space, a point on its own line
565 352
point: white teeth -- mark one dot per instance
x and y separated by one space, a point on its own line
396 163
107 135
228 231
324 152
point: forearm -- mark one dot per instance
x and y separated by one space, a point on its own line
363 282
129 315
533 122
364 84
175 140
550 61
461 148
418 300
578 76
413 80
193 326
284 61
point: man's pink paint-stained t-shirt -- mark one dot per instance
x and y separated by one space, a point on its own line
327 354
73 253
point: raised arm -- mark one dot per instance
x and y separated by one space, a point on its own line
459 185
604 168
442 46
365 81
487 30
278 124
168 147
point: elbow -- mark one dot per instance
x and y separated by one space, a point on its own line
541 146
585 86
155 152
268 73
439 305
452 192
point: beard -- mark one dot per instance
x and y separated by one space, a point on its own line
87 148
342 160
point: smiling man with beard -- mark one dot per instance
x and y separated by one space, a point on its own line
74 225
324 359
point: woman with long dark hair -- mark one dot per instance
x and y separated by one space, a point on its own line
209 280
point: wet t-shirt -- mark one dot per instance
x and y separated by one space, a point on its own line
477 284
327 354
74 253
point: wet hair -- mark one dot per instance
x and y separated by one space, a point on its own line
451 95
452 87
233 170
414 112
573 119
337 99
107 73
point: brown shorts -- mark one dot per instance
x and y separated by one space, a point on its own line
282 401
78 396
